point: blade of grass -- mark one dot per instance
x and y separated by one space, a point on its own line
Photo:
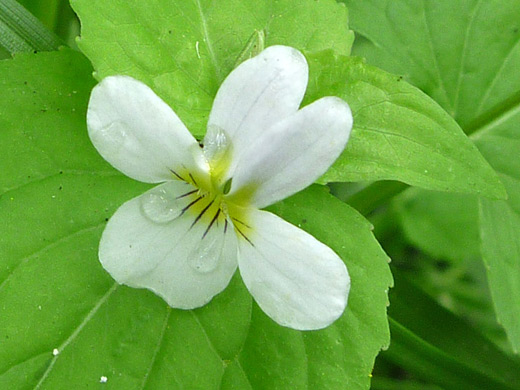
20 31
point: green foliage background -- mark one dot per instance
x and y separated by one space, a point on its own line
443 120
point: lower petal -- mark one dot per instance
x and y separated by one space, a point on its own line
298 281
158 241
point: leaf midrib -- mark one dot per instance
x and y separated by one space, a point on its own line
61 173
47 247
208 42
76 332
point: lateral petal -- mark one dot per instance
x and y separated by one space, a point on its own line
138 133
158 241
296 280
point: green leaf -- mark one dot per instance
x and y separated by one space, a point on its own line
22 32
138 39
342 355
433 344
396 384
56 194
500 225
184 49
57 16
466 55
370 197
462 53
443 225
47 11
399 133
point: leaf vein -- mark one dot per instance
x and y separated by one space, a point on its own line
48 247
210 342
208 41
46 353
491 85
61 172
434 56
157 348
76 332
463 56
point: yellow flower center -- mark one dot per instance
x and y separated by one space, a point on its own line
209 204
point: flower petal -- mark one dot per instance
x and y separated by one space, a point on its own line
159 242
139 134
293 153
258 93
298 281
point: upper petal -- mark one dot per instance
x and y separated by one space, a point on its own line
298 281
292 154
258 93
138 133
159 242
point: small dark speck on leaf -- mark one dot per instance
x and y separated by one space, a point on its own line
515 30
61 172
43 110
304 221
442 265
25 83
169 31
60 188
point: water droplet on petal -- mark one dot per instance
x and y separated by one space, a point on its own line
215 143
160 206
114 134
205 257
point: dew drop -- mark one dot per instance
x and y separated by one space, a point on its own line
204 258
215 143
160 206
114 133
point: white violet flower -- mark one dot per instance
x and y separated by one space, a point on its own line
185 238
